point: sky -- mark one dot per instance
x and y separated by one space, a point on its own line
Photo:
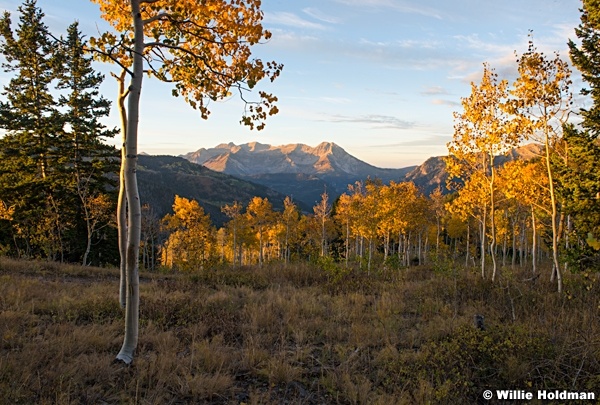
380 78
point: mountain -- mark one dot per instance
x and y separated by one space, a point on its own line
160 178
297 170
304 172
429 175
432 173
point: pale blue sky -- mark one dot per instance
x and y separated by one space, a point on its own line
381 78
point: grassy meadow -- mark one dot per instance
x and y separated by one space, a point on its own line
302 334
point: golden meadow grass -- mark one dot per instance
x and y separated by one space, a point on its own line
293 335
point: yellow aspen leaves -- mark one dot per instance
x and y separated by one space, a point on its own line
203 48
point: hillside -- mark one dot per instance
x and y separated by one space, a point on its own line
160 178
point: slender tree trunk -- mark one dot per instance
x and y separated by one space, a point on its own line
131 189
386 247
482 248
556 265
437 238
234 250
514 242
493 220
347 242
122 198
400 250
88 246
468 247
287 247
407 250
370 255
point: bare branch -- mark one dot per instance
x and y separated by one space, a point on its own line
111 57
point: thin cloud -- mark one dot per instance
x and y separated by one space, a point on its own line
321 16
428 140
435 91
397 5
449 103
291 20
336 100
376 120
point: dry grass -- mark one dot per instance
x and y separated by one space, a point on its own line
292 335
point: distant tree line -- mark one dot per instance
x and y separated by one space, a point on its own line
56 173
57 177
525 211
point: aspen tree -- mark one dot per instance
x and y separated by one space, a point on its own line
322 211
543 103
204 49
259 214
481 132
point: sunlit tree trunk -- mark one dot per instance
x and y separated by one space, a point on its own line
492 218
483 239
556 265
122 197
131 189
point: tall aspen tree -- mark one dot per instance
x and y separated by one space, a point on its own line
204 49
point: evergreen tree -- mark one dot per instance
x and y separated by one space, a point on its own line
31 120
578 184
84 158
53 164
586 58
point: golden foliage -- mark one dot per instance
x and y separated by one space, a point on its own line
201 47
191 244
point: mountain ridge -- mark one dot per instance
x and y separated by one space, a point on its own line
294 169
305 171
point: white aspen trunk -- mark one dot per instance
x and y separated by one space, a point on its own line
556 265
468 245
437 238
514 243
482 248
370 255
133 201
122 198
347 241
234 243
492 220
407 250
386 247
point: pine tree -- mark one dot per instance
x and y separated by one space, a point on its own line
84 158
53 163
578 185
586 59
32 122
